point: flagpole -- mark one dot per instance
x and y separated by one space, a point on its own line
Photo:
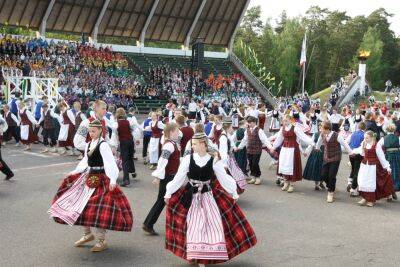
304 76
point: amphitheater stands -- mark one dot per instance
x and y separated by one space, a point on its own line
144 62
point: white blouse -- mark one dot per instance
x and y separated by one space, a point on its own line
110 166
300 137
226 181
379 152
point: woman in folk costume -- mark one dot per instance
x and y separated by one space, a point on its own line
67 130
313 168
27 123
241 155
391 147
204 224
89 195
275 124
3 166
216 130
156 127
261 116
226 154
374 180
289 163
313 122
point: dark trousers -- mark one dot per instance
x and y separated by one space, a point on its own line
127 148
146 140
4 167
335 127
254 160
12 131
329 172
49 134
158 207
355 167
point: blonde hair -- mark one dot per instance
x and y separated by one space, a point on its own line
120 113
169 128
391 128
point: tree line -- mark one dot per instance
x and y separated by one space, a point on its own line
334 39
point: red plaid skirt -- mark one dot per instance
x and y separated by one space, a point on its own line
105 209
239 236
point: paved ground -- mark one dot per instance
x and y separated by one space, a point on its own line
298 229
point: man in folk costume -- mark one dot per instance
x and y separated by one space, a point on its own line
89 195
166 169
124 129
12 122
332 142
49 130
82 135
28 122
355 142
146 138
156 128
374 177
67 130
3 166
289 162
254 140
204 224
187 132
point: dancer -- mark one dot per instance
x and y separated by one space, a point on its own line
289 163
204 224
3 166
186 130
12 122
240 155
332 157
254 140
146 138
28 121
275 123
156 127
124 130
166 169
313 168
89 195
67 130
391 146
355 141
49 131
374 180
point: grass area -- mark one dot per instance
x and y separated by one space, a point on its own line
323 95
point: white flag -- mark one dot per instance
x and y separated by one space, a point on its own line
303 57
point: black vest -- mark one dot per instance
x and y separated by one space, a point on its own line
95 159
200 173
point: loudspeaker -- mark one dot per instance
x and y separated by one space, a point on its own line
197 54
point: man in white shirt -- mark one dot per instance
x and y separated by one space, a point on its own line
192 109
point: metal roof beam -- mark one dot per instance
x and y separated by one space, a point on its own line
42 30
196 18
147 23
98 20
230 45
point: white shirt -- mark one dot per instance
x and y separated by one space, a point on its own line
192 107
167 149
379 152
226 181
13 117
263 138
340 139
335 118
110 166
300 136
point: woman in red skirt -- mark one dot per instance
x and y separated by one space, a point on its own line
28 122
289 163
89 195
204 224
374 176
67 130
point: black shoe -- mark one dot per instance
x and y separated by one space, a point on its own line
149 230
317 188
125 183
348 187
278 182
8 177
133 175
322 186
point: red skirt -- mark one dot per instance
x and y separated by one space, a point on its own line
70 137
261 122
32 137
239 236
384 186
297 169
105 209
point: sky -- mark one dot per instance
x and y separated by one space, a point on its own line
273 8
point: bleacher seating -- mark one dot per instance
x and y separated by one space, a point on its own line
144 106
210 65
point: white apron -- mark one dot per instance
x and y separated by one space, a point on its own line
367 178
63 135
153 150
24 132
286 160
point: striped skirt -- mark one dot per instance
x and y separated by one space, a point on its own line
236 173
205 233
71 204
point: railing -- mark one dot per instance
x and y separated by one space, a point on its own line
348 90
264 91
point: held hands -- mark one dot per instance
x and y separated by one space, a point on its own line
112 187
166 200
389 171
156 181
137 142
